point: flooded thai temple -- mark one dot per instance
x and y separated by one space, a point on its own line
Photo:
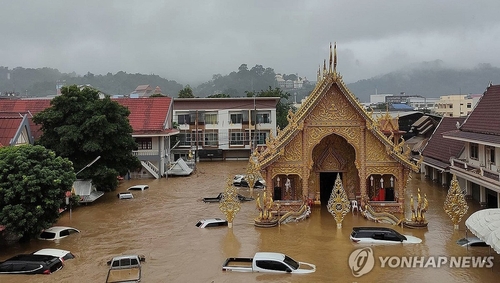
332 135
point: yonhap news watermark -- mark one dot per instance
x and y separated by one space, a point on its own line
362 261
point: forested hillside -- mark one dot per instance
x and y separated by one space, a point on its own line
42 82
429 80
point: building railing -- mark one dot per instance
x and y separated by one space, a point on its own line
145 152
463 165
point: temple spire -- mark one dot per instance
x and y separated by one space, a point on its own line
334 57
330 63
324 67
318 77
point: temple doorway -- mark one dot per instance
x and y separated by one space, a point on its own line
326 184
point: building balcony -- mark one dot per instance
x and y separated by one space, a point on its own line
476 174
150 154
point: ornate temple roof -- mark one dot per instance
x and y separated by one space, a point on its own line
327 80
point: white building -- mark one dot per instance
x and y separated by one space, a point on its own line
223 128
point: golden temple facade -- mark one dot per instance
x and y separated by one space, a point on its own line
331 134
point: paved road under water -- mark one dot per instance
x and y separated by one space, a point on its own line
160 224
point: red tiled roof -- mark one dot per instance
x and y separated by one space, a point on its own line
440 148
484 119
9 125
147 114
24 105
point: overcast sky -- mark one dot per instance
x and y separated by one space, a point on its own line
189 41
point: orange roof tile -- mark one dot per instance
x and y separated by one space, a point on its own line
147 114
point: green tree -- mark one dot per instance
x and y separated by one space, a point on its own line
219 95
80 127
282 107
33 182
186 92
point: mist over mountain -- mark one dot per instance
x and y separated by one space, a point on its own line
428 79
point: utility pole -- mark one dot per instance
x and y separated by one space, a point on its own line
196 126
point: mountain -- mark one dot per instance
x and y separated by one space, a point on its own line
428 80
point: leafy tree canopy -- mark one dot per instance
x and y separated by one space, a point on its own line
33 182
282 107
80 127
219 95
186 92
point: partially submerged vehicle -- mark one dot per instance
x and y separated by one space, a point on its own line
268 262
240 181
471 242
380 235
125 268
125 195
57 232
61 254
219 197
31 264
211 222
138 188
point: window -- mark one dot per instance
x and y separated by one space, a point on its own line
184 138
263 118
259 137
211 119
183 119
474 151
469 105
236 118
490 154
144 143
271 265
211 139
237 138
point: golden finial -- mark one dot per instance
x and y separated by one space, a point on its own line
455 204
229 204
318 77
331 59
335 58
324 68
338 204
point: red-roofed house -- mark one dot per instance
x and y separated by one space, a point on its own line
477 169
150 118
15 129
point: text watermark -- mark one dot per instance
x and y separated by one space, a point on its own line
362 261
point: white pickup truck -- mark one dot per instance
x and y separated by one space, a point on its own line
125 268
267 262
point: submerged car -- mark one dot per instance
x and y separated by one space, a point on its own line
471 242
125 195
212 222
57 232
219 197
138 188
240 181
31 264
61 254
380 235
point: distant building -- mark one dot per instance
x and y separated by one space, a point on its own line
378 98
456 105
142 91
289 84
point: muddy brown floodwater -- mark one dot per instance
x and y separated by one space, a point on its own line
160 224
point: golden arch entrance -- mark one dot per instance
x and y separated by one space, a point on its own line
332 132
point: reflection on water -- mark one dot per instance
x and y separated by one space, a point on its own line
160 224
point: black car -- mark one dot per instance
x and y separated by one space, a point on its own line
219 197
31 264
240 181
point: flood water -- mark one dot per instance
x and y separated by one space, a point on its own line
160 224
